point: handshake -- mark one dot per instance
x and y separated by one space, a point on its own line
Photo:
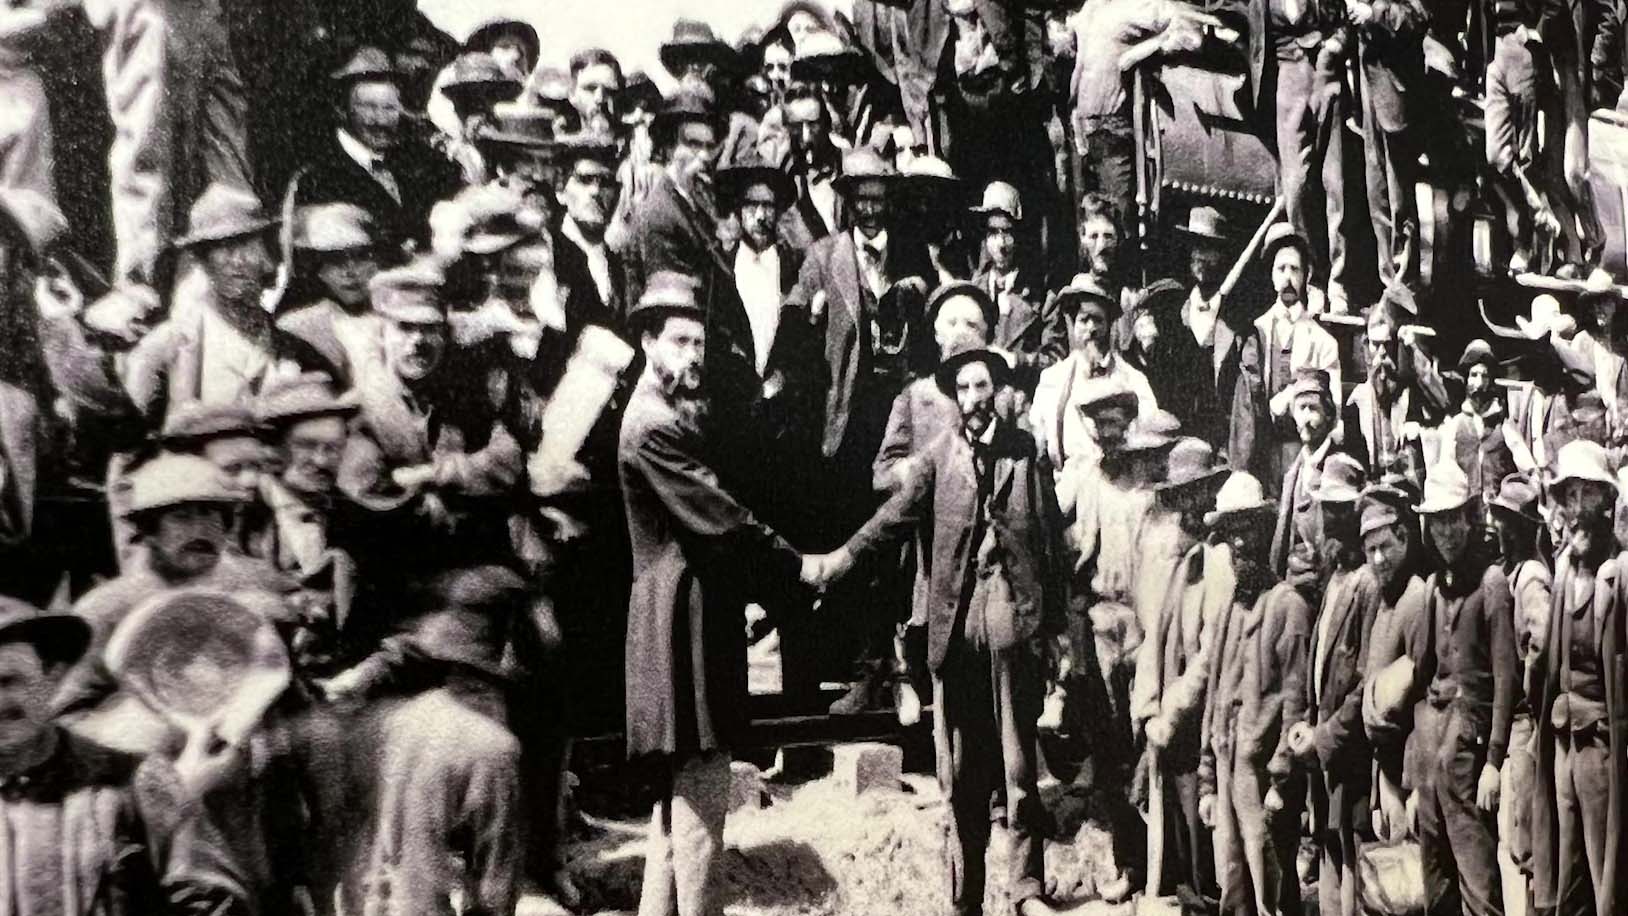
821 570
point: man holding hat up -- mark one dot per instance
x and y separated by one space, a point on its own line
1463 725
996 527
698 558
1578 684
1285 340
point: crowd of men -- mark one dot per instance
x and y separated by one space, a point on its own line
535 396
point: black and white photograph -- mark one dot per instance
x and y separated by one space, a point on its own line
813 457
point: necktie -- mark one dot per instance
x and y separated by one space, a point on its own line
381 174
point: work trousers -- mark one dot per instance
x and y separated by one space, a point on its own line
984 741
1458 842
1583 803
1339 802
179 112
1310 124
1515 814
1254 849
686 839
1390 164
1184 855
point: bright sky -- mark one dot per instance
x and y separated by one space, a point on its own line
631 29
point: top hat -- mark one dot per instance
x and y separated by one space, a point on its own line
333 227
668 292
486 36
966 353
1341 480
367 65
222 213
694 41
61 638
1241 494
973 291
177 480
303 397
1000 197
1206 223
36 219
477 79
410 294
203 658
1445 489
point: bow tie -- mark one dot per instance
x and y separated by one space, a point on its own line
874 252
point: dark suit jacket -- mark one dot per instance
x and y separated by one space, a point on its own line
1289 511
671 233
698 557
1341 742
832 267
1022 515
1033 329
423 176
1358 421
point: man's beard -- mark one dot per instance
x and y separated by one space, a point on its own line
1095 351
1386 385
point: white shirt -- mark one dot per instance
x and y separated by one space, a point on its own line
823 195
1201 316
870 269
371 162
1310 347
598 259
302 535
232 366
757 280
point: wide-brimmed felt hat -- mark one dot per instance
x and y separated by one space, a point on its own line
1340 481
203 658
638 89
824 57
1099 394
178 480
1084 290
973 291
1579 461
668 292
1206 223
1000 197
588 144
1153 432
694 41
687 105
1517 496
223 213
1446 488
523 124
1477 352
193 423
1382 323
304 397
478 79
367 65
1543 320
1190 466
863 164
964 354
410 294
37 220
732 181
61 638
1282 234
333 227
486 36
1239 495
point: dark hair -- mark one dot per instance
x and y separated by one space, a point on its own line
594 57
1098 206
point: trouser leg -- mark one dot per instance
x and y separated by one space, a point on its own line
1231 865
1470 832
26 158
700 800
1268 840
1296 136
1342 803
1328 102
967 738
1018 689
1436 855
1582 794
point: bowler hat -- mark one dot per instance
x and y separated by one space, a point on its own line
1282 234
1240 495
1000 197
1445 489
732 181
668 292
486 36
478 80
367 65
1477 352
303 397
1518 497
1205 223
410 294
973 291
203 658
1190 466
694 41
222 213
1341 480
1085 290
177 480
333 227
966 353
193 423
61 638
35 218
863 164
823 57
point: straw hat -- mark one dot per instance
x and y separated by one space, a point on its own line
222 213
668 292
177 480
194 422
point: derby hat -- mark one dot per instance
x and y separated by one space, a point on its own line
177 480
863 164
368 65
223 213
1190 466
410 294
1000 197
477 79
1240 495
1206 223
1282 234
33 216
61 638
333 227
668 292
694 41
1085 290
1518 497
1445 488
964 354
1581 461
1341 480
733 181
1477 353
973 291
195 422
486 36
823 57
203 658
304 397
